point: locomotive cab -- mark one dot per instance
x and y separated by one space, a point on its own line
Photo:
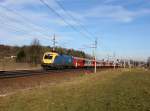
48 59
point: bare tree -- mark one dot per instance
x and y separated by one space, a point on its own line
148 62
35 52
21 55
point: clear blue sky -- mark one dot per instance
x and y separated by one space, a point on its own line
121 26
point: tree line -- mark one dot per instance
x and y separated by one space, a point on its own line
33 53
148 62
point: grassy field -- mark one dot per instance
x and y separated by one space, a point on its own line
10 64
104 91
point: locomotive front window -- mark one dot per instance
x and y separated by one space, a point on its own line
48 57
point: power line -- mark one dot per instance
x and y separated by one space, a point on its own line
15 29
12 28
25 19
63 19
8 26
72 17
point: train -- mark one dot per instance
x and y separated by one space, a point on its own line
52 60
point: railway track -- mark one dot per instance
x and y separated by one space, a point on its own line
20 73
23 73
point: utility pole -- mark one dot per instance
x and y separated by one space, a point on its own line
114 54
124 64
54 43
108 57
95 47
129 63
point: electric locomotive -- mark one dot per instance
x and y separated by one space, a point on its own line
60 61
55 60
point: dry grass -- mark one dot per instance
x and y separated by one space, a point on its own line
107 91
10 64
